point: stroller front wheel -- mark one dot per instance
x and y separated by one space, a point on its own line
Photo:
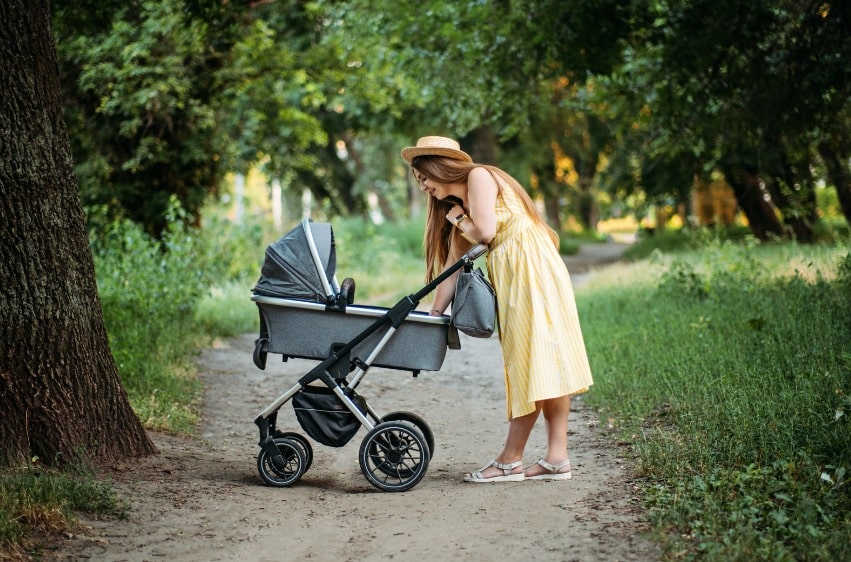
394 456
285 469
302 442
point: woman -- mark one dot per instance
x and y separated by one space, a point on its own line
542 345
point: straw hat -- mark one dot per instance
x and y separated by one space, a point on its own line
435 146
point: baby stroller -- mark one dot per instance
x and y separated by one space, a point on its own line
304 313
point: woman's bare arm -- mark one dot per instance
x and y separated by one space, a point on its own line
480 222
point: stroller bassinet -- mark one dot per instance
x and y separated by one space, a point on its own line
305 313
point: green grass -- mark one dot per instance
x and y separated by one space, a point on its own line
35 501
227 311
385 260
729 369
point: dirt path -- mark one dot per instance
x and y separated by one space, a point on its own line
202 499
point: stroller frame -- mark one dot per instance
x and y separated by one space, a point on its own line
395 453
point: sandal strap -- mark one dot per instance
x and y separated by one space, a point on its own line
552 468
506 468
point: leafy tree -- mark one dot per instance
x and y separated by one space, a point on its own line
489 73
59 385
749 88
140 91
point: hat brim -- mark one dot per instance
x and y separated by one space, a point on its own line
413 151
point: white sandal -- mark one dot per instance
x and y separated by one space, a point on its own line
553 471
507 473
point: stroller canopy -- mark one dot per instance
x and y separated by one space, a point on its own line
301 264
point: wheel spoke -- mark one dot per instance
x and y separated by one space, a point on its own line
393 456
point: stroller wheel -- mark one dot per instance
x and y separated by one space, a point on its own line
418 422
283 470
394 456
306 449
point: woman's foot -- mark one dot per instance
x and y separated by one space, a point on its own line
542 470
497 472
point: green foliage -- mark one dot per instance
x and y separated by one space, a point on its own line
273 90
384 260
36 500
149 290
165 98
729 370
139 96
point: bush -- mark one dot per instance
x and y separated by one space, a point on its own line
149 290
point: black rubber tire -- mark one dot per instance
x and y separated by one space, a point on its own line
394 456
306 448
420 424
292 469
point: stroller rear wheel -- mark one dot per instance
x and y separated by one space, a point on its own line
284 470
418 422
302 442
394 456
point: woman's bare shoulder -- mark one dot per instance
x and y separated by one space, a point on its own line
482 178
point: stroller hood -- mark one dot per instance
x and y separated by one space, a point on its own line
301 264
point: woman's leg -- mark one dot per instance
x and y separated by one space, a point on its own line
519 430
556 411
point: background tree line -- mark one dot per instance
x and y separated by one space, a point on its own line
585 101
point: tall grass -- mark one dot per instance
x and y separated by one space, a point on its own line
729 368
384 260
152 293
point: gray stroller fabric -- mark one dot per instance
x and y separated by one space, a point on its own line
289 269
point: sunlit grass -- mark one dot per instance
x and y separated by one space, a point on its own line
728 369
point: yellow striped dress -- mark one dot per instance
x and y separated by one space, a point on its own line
542 345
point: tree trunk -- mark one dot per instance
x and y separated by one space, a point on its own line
552 210
840 177
786 178
60 394
481 145
587 204
798 207
751 199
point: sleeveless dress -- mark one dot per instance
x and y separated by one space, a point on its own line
542 345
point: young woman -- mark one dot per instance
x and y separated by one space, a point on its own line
542 345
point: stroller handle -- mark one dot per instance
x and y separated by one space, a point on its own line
472 254
476 252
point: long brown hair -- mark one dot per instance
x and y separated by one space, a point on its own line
440 237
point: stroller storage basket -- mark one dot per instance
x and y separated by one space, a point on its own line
322 416
305 329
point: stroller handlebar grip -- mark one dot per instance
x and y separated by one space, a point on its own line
476 251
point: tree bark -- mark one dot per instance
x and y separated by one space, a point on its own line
481 145
60 394
751 199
